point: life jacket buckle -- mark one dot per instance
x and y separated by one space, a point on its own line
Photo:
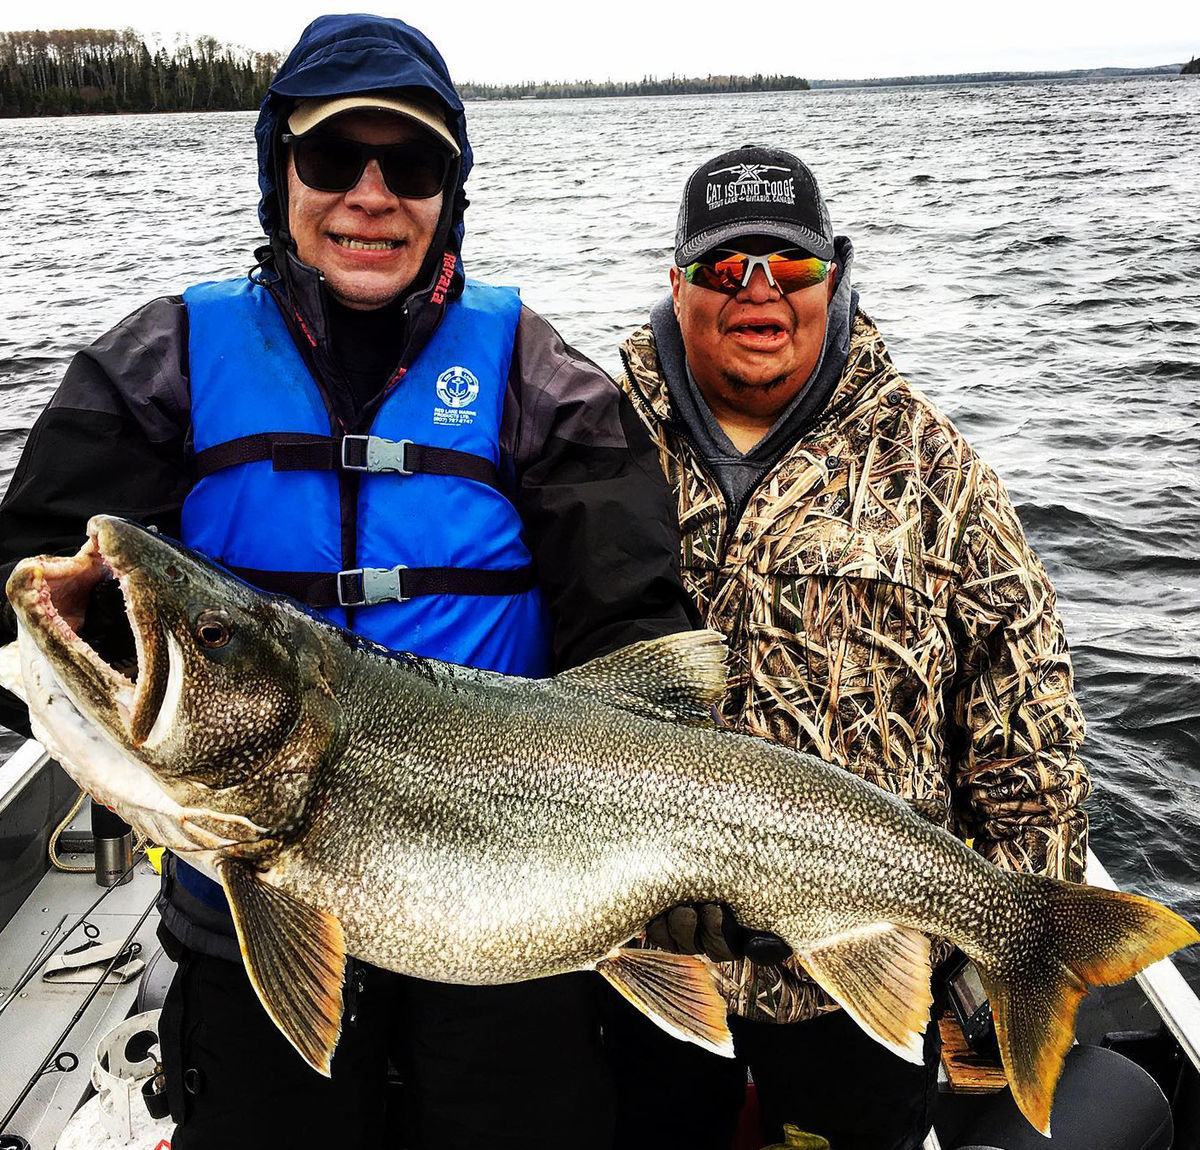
374 453
366 586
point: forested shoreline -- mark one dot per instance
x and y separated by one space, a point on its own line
88 70
1001 77
109 70
647 86
61 72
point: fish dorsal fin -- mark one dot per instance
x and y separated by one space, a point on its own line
677 678
880 975
675 991
296 958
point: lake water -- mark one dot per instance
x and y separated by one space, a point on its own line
1030 251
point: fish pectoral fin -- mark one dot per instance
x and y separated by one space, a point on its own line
677 678
675 991
880 975
295 956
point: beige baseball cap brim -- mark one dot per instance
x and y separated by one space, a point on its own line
308 114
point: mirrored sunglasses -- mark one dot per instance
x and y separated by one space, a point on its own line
729 272
412 169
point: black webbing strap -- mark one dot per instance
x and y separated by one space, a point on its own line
288 451
361 587
298 451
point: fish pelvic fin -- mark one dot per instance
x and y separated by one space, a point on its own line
879 974
295 956
1092 937
677 678
675 991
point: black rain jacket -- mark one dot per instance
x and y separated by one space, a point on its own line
116 436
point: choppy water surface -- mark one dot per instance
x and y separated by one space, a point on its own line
1031 252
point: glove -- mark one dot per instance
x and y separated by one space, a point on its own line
711 929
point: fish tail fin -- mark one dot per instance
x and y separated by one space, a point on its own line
1091 937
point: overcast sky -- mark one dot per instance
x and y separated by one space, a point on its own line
627 39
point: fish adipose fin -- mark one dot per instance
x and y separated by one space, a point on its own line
675 991
677 678
880 975
295 957
1092 937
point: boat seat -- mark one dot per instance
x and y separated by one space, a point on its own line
1103 1102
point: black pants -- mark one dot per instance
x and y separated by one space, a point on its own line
825 1076
511 1067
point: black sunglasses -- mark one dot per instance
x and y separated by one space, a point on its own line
412 169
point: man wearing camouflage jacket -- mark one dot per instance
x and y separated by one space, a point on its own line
883 609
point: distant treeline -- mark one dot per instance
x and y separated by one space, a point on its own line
1192 67
648 86
104 70
999 77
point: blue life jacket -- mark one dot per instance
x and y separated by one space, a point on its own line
249 383
269 497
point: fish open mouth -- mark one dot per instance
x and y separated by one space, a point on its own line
81 611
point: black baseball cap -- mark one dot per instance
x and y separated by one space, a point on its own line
752 191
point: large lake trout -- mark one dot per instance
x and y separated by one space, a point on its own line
464 826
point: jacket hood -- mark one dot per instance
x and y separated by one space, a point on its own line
344 55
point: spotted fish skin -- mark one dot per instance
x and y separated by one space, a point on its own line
514 829
465 826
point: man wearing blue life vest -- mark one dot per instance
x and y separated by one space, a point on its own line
420 458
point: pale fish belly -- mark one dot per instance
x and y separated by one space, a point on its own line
490 917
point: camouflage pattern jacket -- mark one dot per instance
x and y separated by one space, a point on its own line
884 612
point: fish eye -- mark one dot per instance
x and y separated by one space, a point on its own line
173 573
214 628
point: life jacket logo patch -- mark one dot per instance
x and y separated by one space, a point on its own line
457 388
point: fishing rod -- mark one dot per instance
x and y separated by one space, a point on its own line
118 957
32 969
